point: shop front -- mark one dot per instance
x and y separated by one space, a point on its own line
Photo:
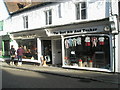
37 44
89 51
87 45
30 42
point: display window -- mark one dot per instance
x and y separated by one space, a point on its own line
87 51
30 48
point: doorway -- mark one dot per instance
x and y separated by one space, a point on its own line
6 48
57 52
46 50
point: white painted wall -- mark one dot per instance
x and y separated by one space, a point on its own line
115 6
39 49
3 11
36 17
3 14
96 10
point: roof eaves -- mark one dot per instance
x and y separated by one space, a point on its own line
30 8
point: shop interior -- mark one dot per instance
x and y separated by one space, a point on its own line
87 51
30 48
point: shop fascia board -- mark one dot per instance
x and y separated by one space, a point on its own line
58 27
28 34
76 26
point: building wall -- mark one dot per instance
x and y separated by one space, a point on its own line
3 11
36 17
0 43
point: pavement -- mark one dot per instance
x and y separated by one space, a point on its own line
106 77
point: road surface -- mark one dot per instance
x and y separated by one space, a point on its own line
16 78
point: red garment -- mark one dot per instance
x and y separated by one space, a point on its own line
101 43
20 52
87 44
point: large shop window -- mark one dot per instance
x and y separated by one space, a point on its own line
30 48
87 51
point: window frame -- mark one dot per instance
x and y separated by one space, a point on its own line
48 17
25 21
79 11
60 10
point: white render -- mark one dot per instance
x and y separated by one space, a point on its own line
95 10
3 11
4 14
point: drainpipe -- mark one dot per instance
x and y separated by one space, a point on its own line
114 47
3 50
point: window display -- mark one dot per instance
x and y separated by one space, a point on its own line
87 51
30 48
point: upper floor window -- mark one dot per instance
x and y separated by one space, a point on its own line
25 21
59 11
81 10
48 16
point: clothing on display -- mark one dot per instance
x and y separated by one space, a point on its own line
101 40
94 41
74 42
70 42
87 41
78 40
67 43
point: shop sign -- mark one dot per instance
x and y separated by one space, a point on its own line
75 31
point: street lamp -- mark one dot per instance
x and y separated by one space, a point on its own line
107 28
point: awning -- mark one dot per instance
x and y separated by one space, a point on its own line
6 37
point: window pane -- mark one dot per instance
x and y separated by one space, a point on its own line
83 5
77 11
25 21
83 14
50 17
46 18
50 12
59 11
